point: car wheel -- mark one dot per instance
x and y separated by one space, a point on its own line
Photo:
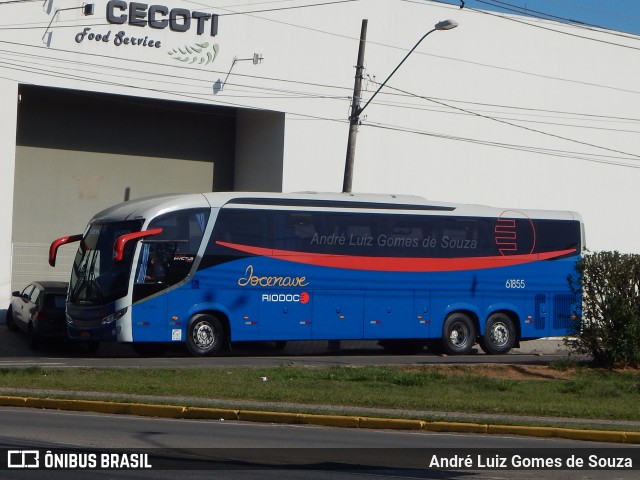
205 335
499 335
9 320
458 334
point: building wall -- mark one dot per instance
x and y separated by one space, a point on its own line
501 110
8 121
259 151
76 185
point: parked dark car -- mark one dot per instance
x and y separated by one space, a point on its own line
39 310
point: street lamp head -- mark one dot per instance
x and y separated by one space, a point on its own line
446 25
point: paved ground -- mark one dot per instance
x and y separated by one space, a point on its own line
9 346
15 346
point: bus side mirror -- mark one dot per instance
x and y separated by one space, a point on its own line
121 242
56 244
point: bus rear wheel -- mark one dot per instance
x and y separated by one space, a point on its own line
205 335
499 335
458 334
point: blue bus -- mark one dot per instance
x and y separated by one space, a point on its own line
214 268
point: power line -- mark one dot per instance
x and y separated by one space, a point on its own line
528 110
494 115
487 117
524 148
295 93
333 86
581 26
181 77
303 116
322 4
398 48
302 94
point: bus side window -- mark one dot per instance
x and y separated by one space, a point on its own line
168 257
291 230
242 227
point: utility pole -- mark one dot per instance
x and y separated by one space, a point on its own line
356 109
354 118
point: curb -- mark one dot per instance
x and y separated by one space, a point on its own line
203 413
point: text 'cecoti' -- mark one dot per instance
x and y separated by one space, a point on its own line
159 16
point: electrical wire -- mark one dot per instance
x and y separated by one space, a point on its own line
509 123
561 32
179 80
524 148
302 94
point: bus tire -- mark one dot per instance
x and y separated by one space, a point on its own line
458 334
499 334
205 335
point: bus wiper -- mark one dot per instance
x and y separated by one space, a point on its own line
81 281
91 280
95 287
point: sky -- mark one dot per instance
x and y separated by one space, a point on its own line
621 15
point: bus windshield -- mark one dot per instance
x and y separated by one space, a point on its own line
96 278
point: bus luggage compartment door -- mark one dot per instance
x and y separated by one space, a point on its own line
284 315
389 314
337 314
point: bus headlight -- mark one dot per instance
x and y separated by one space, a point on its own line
114 316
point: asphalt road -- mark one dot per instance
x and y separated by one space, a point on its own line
235 450
14 352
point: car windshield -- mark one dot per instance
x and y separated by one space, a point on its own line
96 278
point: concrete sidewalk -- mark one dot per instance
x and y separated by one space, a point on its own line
542 346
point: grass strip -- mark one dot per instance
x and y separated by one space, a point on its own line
575 393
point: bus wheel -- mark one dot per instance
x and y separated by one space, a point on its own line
205 335
458 334
499 334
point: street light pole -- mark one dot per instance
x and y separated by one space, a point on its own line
356 110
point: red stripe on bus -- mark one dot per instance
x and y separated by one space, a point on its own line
397 264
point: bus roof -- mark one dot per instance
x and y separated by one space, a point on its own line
153 206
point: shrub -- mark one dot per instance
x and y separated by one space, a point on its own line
608 325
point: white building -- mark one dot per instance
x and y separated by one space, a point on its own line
113 99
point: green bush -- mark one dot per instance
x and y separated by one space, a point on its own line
608 325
